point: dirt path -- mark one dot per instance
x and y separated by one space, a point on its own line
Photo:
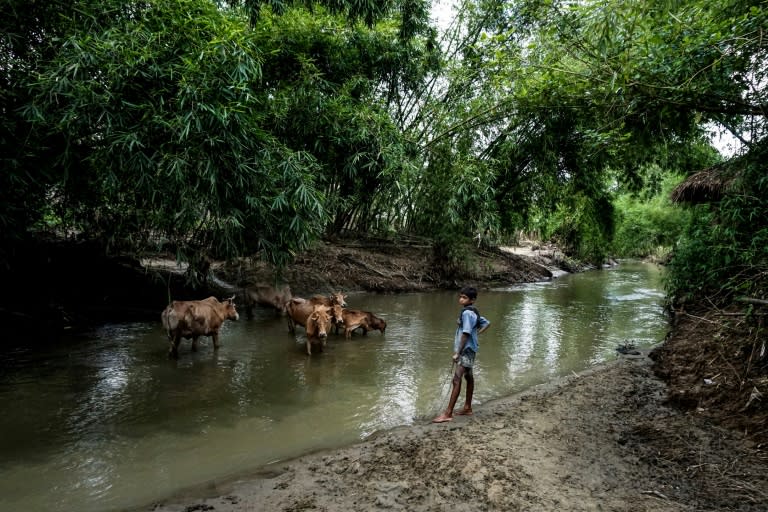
602 440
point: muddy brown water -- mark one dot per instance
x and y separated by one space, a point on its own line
106 422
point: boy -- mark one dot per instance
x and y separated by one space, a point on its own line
464 349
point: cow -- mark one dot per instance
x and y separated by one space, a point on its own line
315 318
365 320
332 300
318 324
276 297
329 300
195 318
298 309
376 323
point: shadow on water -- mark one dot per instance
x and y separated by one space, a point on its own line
107 421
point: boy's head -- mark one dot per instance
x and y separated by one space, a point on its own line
470 292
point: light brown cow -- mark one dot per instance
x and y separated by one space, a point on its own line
365 320
332 300
315 318
276 297
318 325
195 318
329 300
298 309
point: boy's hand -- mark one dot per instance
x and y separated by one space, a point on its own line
455 357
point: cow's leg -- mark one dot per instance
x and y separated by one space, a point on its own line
215 338
194 344
174 350
309 347
291 328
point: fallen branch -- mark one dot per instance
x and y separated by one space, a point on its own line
742 313
698 318
350 259
752 300
655 493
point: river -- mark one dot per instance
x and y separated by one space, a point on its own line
106 421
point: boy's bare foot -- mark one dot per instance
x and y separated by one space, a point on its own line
464 412
442 418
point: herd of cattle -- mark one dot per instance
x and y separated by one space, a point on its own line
318 315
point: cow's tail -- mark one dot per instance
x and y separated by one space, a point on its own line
170 320
168 287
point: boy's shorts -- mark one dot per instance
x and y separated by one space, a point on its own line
467 359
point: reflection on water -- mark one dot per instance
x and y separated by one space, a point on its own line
107 422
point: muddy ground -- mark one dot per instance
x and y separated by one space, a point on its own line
385 267
679 429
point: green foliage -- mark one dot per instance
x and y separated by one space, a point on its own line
648 224
724 250
145 119
693 269
367 10
325 82
178 125
456 201
244 126
560 96
582 229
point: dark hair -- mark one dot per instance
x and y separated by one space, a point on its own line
469 291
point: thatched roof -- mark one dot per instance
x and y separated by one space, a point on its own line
705 186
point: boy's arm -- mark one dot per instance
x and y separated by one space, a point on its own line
464 338
484 324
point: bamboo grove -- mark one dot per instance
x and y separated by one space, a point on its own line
247 128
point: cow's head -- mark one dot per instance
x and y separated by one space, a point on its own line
338 298
282 298
379 323
230 311
319 322
337 315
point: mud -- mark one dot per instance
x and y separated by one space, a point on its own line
603 440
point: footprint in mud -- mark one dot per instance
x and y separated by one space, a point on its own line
201 506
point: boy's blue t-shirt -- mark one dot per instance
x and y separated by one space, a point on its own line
468 323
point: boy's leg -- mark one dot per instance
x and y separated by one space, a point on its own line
467 409
447 415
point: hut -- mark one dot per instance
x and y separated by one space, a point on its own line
705 186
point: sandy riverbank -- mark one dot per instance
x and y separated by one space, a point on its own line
601 440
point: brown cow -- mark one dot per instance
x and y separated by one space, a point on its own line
195 318
318 325
376 323
329 300
315 318
269 296
365 320
332 300
336 317
298 309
